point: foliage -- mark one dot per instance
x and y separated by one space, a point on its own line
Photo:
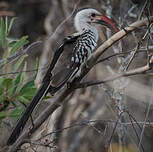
13 89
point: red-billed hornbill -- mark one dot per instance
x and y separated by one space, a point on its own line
72 54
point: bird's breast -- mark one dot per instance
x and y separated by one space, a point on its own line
84 47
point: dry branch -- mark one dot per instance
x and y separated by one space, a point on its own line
140 70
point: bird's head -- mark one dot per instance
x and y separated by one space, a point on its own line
89 17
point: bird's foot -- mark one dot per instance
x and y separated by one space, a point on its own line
68 85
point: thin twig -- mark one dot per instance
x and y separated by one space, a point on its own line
142 10
19 53
146 117
135 128
109 141
34 70
119 54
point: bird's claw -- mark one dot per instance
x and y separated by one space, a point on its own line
68 85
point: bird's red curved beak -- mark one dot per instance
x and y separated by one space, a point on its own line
104 20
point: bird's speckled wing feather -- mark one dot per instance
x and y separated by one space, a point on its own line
72 58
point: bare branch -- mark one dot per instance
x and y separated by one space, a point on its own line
140 70
118 54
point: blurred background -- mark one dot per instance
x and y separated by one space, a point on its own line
112 117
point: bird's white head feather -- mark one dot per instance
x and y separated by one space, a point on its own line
82 19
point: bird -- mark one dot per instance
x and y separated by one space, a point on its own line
67 61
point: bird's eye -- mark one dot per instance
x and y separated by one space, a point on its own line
93 15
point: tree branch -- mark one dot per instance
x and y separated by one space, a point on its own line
140 70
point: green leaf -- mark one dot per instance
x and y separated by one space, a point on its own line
20 79
6 24
16 84
2 115
2 33
1 85
12 43
2 98
28 93
24 69
23 99
10 25
19 44
18 63
47 97
28 90
29 84
16 112
37 67
7 83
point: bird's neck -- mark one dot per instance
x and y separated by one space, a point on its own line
92 30
82 25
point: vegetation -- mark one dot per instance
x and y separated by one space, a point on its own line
14 89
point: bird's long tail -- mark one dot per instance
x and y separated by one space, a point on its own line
27 113
43 90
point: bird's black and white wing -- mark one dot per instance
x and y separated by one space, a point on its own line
72 59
